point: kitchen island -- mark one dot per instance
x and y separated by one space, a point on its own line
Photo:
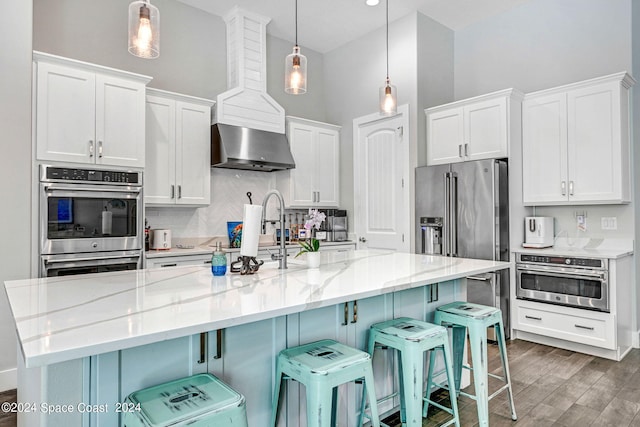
93 339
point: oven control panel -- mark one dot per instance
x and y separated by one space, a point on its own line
561 260
92 176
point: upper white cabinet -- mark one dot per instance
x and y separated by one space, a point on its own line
86 113
472 129
576 143
315 180
178 145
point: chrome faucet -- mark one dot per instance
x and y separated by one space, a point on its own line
282 253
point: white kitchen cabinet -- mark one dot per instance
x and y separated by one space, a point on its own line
178 144
89 114
178 260
576 146
315 181
473 129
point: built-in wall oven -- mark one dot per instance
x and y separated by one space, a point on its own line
90 220
570 281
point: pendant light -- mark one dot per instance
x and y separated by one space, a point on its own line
388 95
295 66
144 29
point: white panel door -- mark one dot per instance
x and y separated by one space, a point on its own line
193 154
594 147
486 130
304 151
544 149
160 169
381 177
327 176
445 136
65 112
120 122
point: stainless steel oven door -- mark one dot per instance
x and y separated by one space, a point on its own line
576 287
67 265
78 218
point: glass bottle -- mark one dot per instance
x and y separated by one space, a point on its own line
218 261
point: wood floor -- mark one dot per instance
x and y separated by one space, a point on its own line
552 387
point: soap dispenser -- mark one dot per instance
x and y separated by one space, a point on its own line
218 261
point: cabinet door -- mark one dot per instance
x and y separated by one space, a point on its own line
178 261
193 154
160 168
302 142
445 136
65 114
544 149
595 158
120 121
486 130
327 175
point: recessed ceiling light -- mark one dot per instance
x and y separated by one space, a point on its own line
372 2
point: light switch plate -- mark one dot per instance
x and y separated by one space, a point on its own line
609 223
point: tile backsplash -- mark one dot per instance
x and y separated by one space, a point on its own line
229 189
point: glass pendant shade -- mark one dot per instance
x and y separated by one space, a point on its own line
144 30
388 99
295 77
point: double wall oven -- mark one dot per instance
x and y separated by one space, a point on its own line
570 281
90 220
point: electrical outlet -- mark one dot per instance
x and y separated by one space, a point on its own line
581 221
609 223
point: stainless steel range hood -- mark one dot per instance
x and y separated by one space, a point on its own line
236 147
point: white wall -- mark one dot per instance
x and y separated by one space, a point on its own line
542 44
635 123
15 167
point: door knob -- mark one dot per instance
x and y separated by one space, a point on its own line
362 239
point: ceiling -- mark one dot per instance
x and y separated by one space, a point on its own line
323 25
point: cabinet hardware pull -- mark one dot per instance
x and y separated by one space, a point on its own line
459 150
563 188
533 318
100 149
437 291
169 265
90 148
218 354
466 150
318 197
179 191
203 346
571 188
355 311
173 191
584 327
346 314
209 261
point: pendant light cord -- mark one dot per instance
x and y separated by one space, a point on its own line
296 22
387 2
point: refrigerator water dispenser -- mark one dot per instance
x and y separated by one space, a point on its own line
431 235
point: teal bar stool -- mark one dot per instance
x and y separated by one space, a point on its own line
475 318
198 401
322 366
411 339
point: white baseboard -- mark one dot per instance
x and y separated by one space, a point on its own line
635 340
8 379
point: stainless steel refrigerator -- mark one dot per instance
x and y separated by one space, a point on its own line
462 210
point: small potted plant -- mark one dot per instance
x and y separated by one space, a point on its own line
311 245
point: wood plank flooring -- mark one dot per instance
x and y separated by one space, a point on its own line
552 387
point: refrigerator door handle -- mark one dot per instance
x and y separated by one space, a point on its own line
453 214
446 250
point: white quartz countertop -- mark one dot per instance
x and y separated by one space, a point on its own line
585 247
65 318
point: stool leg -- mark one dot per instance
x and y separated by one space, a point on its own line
427 392
413 376
369 389
403 406
319 409
502 345
371 347
276 396
334 406
478 340
448 365
459 335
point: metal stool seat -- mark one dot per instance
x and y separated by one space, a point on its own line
411 339
322 366
475 319
200 400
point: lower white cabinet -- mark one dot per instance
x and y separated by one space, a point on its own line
178 260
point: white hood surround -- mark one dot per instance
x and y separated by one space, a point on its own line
246 102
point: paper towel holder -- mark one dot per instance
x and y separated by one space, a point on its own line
246 265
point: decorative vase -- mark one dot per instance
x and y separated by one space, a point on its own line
313 259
